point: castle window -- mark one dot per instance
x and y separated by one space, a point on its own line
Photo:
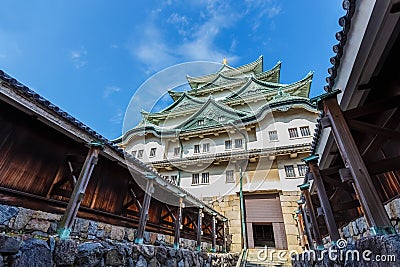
229 176
153 152
134 153
140 154
200 122
195 178
206 147
205 178
289 169
177 151
305 131
293 133
273 135
228 144
196 148
302 169
238 143
221 118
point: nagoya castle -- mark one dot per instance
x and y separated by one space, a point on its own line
235 139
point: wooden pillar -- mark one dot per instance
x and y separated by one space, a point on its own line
214 232
307 225
199 228
300 226
178 222
372 206
312 163
224 235
144 212
64 228
314 222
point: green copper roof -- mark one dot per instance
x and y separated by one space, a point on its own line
254 67
184 102
211 114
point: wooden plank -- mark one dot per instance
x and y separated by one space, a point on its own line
144 211
373 209
134 197
323 198
224 236
352 204
314 222
199 229
377 141
178 223
307 228
214 233
61 192
384 165
59 175
373 129
79 191
372 108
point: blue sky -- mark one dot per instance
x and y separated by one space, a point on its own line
89 57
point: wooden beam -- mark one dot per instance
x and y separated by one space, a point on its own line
323 198
199 229
300 224
352 204
373 129
58 177
214 233
384 165
330 170
307 225
224 235
374 211
377 141
144 212
345 175
134 197
178 223
314 222
79 191
372 108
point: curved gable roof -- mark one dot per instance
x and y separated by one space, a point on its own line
210 113
255 67
255 87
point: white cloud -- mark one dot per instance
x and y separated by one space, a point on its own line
117 117
109 90
180 22
78 58
262 9
198 40
274 11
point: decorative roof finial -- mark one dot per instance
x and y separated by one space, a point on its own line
225 61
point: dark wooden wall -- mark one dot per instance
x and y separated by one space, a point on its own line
35 161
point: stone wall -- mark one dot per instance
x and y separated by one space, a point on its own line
229 206
289 205
18 220
358 228
25 251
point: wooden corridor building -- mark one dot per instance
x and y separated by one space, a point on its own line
354 167
52 162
